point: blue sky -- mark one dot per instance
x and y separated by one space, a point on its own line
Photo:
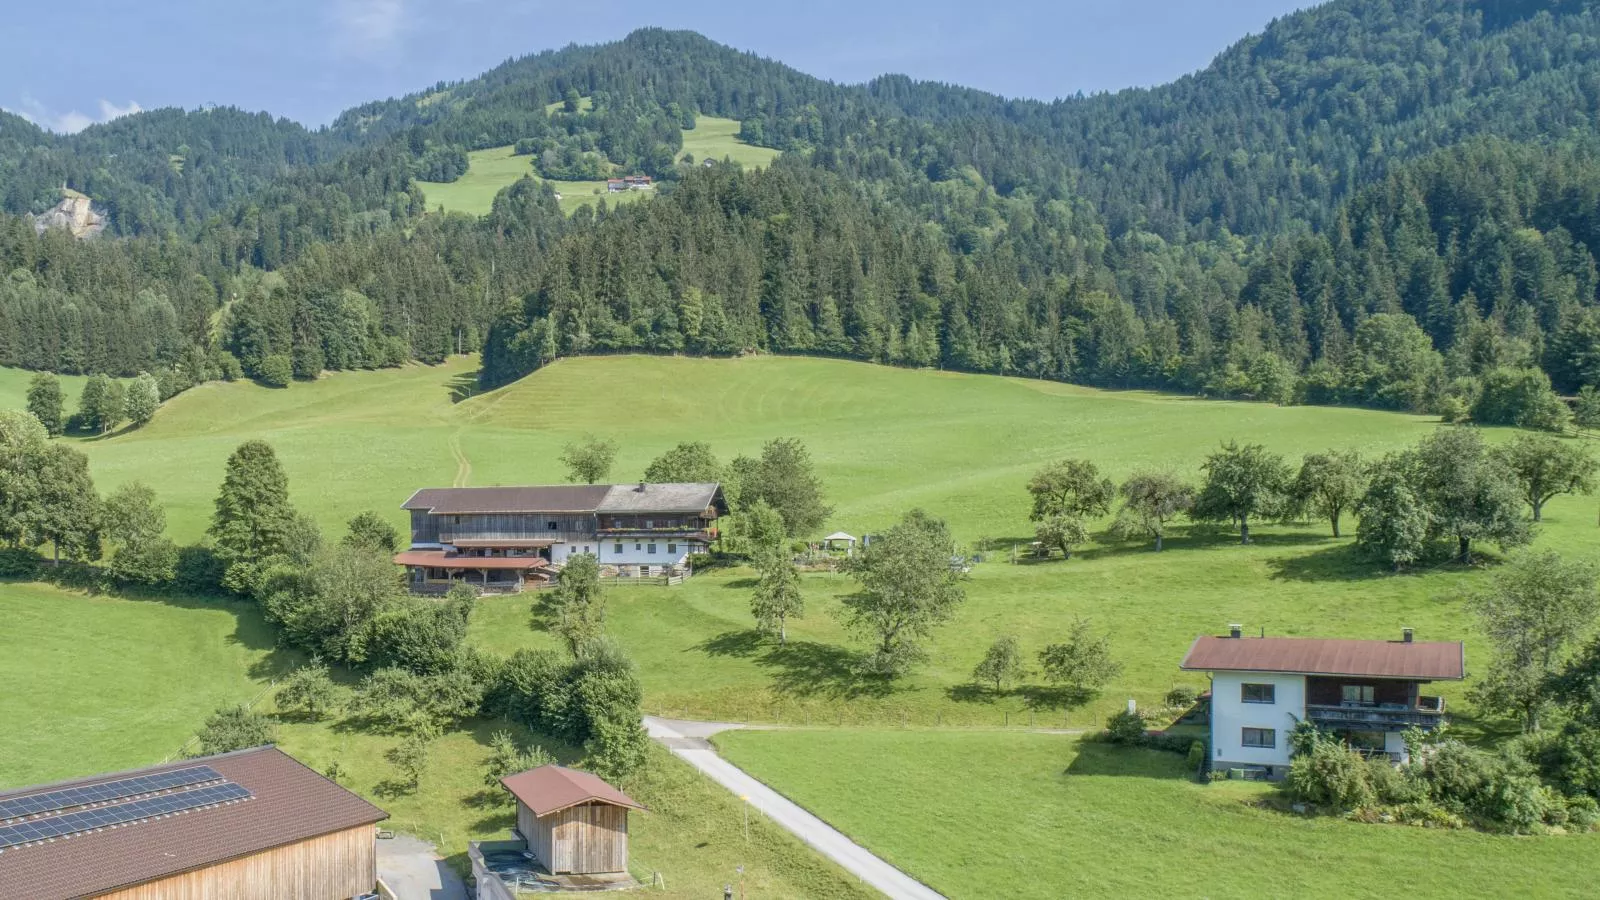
67 64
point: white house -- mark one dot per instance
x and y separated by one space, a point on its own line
505 538
1366 691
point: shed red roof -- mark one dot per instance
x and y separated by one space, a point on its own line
1421 660
550 789
290 803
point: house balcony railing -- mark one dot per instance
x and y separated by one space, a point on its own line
686 532
1427 713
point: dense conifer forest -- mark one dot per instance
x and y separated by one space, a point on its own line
1380 202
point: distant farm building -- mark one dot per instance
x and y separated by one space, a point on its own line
574 835
506 539
250 825
629 183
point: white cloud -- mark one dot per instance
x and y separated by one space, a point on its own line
366 29
71 121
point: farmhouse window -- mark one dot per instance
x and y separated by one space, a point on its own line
1360 693
651 549
672 548
1259 737
616 548
551 526
1259 693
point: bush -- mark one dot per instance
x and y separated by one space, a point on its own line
18 562
235 728
1181 697
1197 755
1394 786
1331 775
1460 777
1126 728
1583 813
1521 802
199 571
309 691
699 562
276 371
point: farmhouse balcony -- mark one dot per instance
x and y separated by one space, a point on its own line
686 532
1428 713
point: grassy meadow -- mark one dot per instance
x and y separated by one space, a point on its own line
1094 820
497 168
884 440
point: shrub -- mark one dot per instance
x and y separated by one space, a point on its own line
1126 727
309 691
1583 813
1181 696
1520 802
1459 776
699 562
235 728
1331 775
1394 786
617 749
1197 755
199 571
276 371
18 562
506 758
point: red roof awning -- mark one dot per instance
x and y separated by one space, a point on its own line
438 559
1420 660
550 789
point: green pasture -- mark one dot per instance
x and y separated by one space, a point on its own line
14 388
984 814
95 684
497 168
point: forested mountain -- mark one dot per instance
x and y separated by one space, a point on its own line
1386 202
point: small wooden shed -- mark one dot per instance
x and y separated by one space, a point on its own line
573 821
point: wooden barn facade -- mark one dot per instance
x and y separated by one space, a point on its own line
250 825
574 822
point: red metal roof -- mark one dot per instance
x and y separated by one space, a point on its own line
291 803
439 559
1421 660
550 789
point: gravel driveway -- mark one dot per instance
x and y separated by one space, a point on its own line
413 870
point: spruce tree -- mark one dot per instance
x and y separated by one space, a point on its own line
253 517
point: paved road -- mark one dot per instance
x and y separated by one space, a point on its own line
413 870
687 740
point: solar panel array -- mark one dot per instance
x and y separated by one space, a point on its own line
122 788
119 814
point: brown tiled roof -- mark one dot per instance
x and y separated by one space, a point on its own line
1421 660
291 803
440 560
550 789
554 498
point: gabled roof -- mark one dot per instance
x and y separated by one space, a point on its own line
289 803
552 498
1420 660
569 498
661 498
550 789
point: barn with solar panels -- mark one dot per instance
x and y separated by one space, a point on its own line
250 825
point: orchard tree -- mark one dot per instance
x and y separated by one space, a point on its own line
136 526
578 602
1469 493
1394 522
777 597
589 460
1534 611
907 588
1061 531
1241 483
309 691
761 530
1329 484
1082 662
1071 487
1001 664
370 531
46 403
253 518
1149 501
1545 465
689 462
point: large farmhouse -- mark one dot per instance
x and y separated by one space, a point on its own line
250 825
508 538
1367 691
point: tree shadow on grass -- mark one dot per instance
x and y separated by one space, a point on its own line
463 386
803 668
1034 697
1108 759
393 789
1342 562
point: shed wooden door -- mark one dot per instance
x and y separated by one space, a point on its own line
590 839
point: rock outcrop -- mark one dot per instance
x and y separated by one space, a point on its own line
75 213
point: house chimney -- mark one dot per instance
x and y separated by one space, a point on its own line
1405 635
1235 631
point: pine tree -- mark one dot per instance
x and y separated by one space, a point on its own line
253 518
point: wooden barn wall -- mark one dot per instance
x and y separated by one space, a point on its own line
332 867
581 840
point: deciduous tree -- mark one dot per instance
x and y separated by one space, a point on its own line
63 507
907 588
1469 494
777 597
1071 487
235 728
370 531
689 462
785 479
1082 662
1241 483
578 602
136 526
1062 532
1545 466
46 403
1394 521
142 399
1535 609
1149 501
1330 483
589 460
1001 664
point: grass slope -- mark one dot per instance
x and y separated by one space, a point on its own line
1039 815
14 389
884 440
497 168
96 684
